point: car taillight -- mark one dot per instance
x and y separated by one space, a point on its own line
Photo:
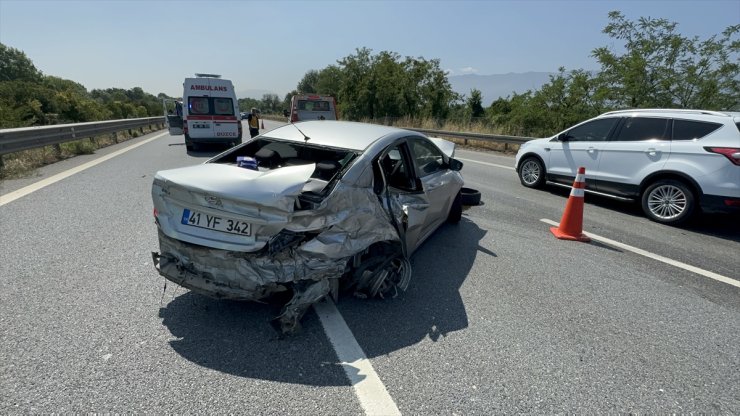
731 153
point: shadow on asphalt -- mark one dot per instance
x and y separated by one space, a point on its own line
237 338
725 226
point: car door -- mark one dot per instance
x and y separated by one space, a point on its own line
200 118
638 147
403 195
436 181
579 146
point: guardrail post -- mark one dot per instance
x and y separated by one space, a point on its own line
114 137
2 165
57 149
506 147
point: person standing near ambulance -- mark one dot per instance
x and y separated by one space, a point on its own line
254 123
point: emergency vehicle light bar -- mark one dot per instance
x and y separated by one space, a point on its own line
207 76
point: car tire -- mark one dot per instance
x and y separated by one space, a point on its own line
188 144
469 197
455 214
532 172
668 201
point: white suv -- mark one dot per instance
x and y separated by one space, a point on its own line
674 161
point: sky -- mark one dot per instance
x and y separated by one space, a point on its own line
267 46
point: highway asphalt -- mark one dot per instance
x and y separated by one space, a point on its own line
500 316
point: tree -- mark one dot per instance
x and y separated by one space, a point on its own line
15 65
662 68
475 103
307 85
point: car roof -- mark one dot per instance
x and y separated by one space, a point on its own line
670 112
341 134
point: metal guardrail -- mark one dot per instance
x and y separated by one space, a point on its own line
15 140
492 138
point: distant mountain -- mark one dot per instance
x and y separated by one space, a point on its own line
253 93
493 87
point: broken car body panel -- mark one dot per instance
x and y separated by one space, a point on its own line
315 209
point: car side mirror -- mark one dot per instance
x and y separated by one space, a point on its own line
455 164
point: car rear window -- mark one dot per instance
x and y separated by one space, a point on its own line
691 129
641 128
309 105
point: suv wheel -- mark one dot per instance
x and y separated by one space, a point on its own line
532 173
668 201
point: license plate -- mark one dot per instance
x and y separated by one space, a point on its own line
215 222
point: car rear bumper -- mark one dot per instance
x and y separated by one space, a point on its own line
234 275
719 204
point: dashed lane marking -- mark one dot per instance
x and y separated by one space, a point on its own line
666 260
370 391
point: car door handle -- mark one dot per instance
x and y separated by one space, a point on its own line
651 151
591 149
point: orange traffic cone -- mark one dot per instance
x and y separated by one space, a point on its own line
571 225
263 125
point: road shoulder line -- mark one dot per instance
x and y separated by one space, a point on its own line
666 260
20 193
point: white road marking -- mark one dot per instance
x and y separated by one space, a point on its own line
20 193
676 263
371 392
486 163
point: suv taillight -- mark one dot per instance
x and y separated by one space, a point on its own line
732 153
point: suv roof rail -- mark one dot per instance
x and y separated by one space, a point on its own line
669 110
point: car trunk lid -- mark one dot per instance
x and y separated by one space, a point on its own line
227 207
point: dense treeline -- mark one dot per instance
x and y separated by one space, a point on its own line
655 66
658 68
382 85
30 98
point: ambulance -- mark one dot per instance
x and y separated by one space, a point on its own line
210 111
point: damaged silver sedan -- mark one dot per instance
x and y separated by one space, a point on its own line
306 208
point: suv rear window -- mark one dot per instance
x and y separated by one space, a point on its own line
690 129
641 128
306 105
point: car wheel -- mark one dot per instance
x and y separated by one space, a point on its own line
456 209
532 173
470 197
668 201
